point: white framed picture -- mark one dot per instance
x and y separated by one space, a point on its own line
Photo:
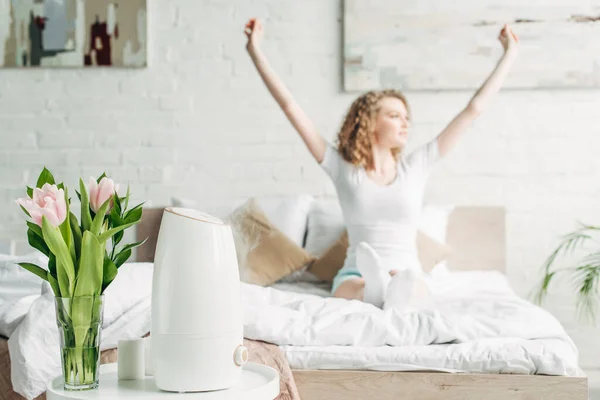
453 45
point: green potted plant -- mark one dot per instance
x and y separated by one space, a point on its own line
585 273
81 264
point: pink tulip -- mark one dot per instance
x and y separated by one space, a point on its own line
48 201
100 192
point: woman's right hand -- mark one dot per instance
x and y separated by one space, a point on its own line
254 31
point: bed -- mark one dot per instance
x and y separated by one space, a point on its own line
477 235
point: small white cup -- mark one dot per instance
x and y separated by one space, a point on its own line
130 359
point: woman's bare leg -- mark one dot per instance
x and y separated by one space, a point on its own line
351 289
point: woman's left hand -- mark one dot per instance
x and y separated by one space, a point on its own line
509 39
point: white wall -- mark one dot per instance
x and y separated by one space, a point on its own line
199 123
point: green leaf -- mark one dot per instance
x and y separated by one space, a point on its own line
52 265
45 177
89 280
110 272
34 269
133 245
25 211
587 288
86 218
127 198
37 242
101 176
117 238
76 237
65 269
134 210
65 230
109 233
134 215
122 257
117 203
35 228
542 291
30 192
99 218
54 285
115 218
61 186
78 195
116 221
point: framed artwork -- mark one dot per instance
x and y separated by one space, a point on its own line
73 33
453 45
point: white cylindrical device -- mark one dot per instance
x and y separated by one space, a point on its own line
197 326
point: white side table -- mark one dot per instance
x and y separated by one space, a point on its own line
258 382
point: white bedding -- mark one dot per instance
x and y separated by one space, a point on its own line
478 325
491 329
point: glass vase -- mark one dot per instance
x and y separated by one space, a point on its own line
79 321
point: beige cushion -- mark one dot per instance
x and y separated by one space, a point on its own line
430 253
265 254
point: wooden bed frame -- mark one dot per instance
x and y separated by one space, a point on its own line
477 236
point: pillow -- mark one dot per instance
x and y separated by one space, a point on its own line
434 221
430 253
326 267
265 254
325 225
288 213
15 281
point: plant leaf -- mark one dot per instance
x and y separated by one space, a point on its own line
37 242
34 269
65 269
35 228
133 245
126 201
99 218
45 177
30 192
117 203
587 286
134 216
76 238
52 266
25 211
65 230
110 272
109 233
54 285
135 210
86 218
101 176
122 257
89 280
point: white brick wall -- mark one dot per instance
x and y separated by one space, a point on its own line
198 123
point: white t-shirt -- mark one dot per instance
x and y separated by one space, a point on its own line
384 216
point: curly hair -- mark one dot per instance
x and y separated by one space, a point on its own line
354 138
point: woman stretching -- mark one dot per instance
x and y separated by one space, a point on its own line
380 189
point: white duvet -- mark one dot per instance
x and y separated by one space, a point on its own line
478 325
